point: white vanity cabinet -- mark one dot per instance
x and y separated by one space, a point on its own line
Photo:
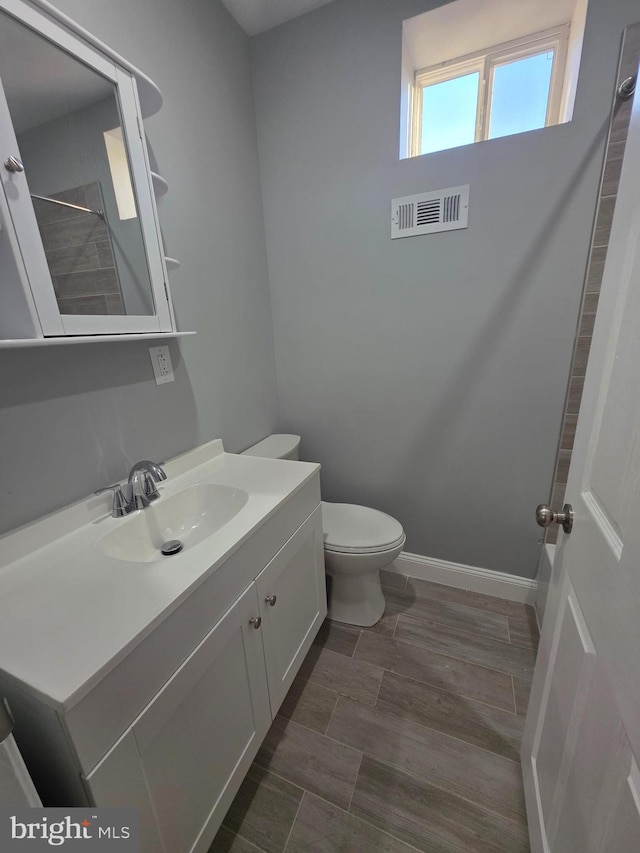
184 757
154 683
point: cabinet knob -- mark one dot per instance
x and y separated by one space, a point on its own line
256 621
271 600
12 164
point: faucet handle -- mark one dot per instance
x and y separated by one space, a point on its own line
120 506
149 487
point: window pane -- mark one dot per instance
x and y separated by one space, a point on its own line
520 94
449 113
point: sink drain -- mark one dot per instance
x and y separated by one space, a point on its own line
173 546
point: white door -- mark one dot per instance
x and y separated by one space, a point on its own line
581 747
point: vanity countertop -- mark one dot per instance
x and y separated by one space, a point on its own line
69 612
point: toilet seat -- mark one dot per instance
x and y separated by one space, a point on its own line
353 529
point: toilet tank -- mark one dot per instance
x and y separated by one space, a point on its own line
277 446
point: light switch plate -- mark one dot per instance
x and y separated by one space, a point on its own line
161 362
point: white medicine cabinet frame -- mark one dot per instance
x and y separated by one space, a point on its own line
29 307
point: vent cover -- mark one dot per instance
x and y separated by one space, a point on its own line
426 213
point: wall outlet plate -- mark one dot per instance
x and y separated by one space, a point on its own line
161 362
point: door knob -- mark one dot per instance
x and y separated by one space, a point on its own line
12 164
546 516
271 600
256 621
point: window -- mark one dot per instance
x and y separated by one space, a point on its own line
120 177
509 88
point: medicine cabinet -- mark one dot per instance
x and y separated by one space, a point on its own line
80 244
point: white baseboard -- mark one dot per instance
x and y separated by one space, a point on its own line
459 576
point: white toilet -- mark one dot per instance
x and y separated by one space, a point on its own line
358 542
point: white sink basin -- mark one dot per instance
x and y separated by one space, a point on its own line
190 516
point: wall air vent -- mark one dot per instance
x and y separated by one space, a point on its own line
426 213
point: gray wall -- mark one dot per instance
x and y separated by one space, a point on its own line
427 375
74 418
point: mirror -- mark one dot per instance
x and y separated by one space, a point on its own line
67 121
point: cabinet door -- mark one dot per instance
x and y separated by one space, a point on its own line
198 737
118 781
293 604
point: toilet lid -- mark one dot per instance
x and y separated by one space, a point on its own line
348 527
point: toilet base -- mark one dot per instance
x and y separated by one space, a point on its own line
356 600
355 593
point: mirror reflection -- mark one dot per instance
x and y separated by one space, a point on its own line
69 133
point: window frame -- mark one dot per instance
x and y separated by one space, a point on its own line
485 62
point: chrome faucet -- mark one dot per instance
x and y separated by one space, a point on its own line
140 489
141 485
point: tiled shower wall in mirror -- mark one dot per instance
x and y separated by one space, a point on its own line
79 253
618 130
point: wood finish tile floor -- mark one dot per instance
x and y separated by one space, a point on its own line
397 738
